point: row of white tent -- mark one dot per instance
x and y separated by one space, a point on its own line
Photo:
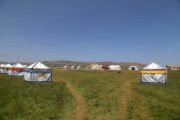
152 73
16 69
35 72
95 66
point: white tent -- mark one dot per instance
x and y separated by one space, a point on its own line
17 70
38 72
2 67
154 66
10 71
154 73
65 67
133 68
94 66
78 67
72 67
114 67
6 68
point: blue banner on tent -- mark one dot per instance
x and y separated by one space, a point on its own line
37 71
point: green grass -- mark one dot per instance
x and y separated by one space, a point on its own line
103 90
163 101
20 100
103 93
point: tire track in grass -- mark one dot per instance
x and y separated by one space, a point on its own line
125 93
81 108
129 96
140 110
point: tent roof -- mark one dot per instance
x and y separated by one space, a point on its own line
38 65
133 66
93 63
8 65
114 65
18 65
154 66
2 65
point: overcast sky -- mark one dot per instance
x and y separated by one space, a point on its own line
90 30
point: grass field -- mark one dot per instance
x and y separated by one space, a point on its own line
163 101
20 100
90 95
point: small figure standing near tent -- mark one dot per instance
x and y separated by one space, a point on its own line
154 73
38 72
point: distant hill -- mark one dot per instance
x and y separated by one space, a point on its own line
3 62
83 64
23 63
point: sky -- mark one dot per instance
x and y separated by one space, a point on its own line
90 30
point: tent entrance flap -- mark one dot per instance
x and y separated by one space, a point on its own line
154 78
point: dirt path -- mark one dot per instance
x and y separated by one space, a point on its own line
124 98
81 108
130 97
